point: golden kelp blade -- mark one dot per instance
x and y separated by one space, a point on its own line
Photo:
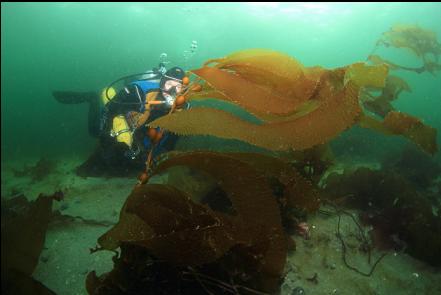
414 38
278 73
364 75
421 42
381 105
251 96
398 123
332 108
411 127
333 116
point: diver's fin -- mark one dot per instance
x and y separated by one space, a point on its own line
94 116
92 98
72 97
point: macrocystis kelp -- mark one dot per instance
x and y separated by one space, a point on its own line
178 242
421 42
23 230
299 107
382 104
394 208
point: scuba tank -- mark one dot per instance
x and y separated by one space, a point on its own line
150 75
121 130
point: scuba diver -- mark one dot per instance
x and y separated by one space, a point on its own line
120 118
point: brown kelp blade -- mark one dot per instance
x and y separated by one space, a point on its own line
381 104
336 112
278 75
398 123
165 221
250 96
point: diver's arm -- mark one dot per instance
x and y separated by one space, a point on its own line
155 102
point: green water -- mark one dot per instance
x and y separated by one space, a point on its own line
83 47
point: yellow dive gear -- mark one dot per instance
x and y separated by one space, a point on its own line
110 94
121 130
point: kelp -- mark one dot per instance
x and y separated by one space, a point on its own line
298 192
326 109
316 127
165 221
262 214
398 123
381 104
362 75
311 163
174 227
413 128
376 59
294 117
23 230
239 90
420 42
262 80
246 244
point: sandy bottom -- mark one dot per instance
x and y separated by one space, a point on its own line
66 259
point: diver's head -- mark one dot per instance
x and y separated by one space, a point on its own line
171 82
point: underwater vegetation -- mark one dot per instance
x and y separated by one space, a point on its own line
24 225
247 241
381 104
174 242
420 42
234 239
299 107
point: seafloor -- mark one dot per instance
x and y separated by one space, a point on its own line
66 258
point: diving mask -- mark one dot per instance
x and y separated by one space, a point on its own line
171 89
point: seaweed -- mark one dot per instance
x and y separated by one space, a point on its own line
393 207
298 191
137 272
24 225
300 107
312 163
245 244
337 112
421 42
310 117
381 104
398 123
